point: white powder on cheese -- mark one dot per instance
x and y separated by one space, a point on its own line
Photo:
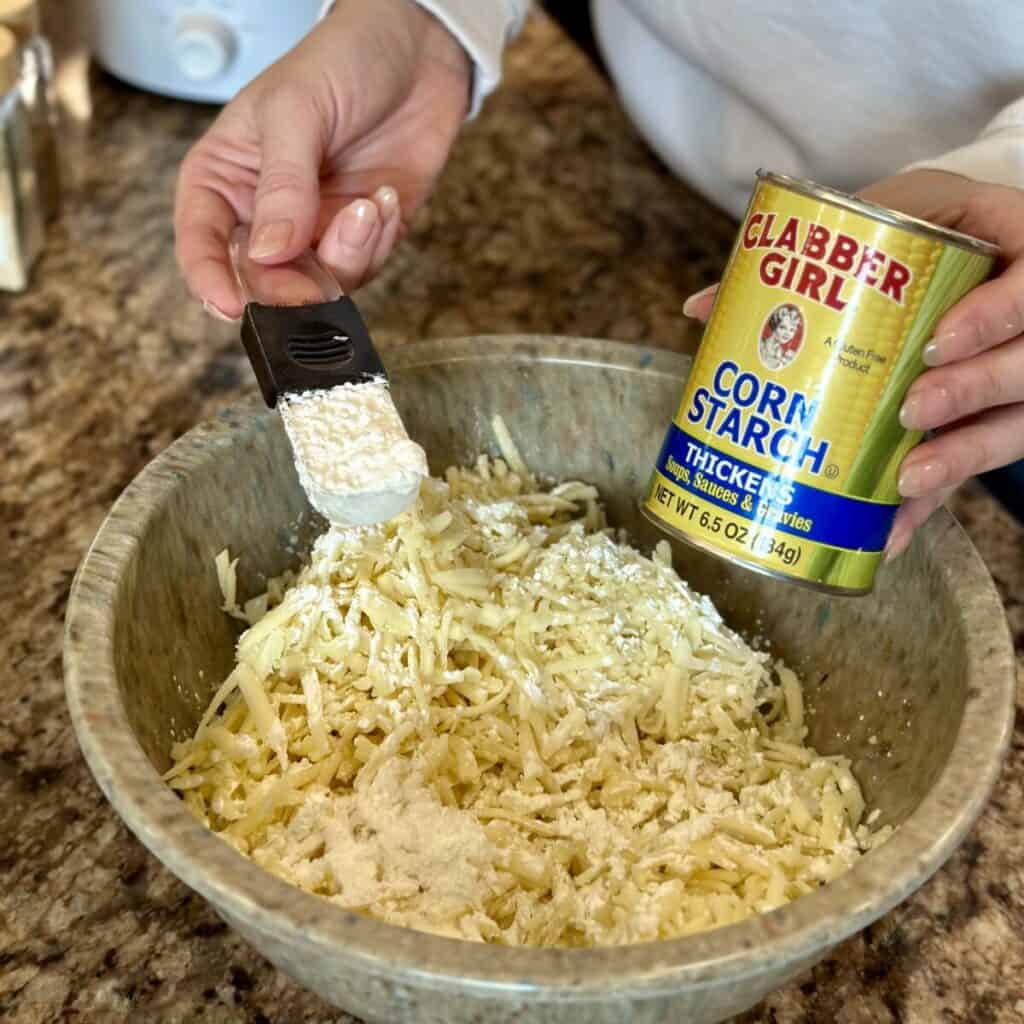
354 458
505 724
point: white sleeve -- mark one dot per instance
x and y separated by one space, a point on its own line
483 27
996 156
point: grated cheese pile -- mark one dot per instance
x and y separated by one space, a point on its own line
492 719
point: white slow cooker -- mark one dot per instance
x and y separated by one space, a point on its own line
203 50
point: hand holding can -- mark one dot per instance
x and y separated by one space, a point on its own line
785 454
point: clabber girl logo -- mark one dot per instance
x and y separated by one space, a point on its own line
782 336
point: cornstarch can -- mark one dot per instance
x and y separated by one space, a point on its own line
784 454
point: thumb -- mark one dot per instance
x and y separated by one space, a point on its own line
287 199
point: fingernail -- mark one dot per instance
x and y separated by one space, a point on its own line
898 542
690 305
932 354
922 477
219 314
910 413
387 200
926 408
271 239
962 343
357 222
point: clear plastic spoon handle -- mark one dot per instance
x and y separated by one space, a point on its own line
303 281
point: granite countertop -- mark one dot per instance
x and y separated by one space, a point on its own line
553 217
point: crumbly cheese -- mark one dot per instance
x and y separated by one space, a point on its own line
353 456
491 718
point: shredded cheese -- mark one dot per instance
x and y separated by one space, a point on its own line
491 718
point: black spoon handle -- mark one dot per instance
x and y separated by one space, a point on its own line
300 331
308 348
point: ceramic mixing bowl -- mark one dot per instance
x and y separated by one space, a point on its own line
914 683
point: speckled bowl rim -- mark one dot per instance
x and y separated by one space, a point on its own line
252 896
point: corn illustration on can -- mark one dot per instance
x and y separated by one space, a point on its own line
785 452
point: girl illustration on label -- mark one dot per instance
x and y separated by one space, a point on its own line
781 337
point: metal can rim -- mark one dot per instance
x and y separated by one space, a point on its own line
881 213
749 564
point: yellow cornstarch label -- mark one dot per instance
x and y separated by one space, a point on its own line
786 447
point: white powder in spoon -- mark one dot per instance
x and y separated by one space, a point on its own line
354 458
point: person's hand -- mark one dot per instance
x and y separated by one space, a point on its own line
335 145
973 396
